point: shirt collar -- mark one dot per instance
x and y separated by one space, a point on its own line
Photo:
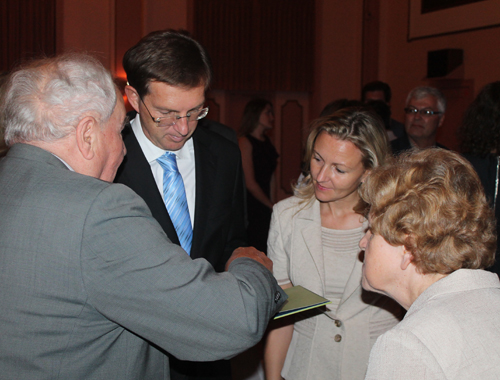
64 162
150 150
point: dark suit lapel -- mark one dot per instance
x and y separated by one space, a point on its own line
135 172
206 164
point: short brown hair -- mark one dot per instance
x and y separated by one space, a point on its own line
432 202
167 56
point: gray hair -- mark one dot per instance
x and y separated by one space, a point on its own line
423 91
45 100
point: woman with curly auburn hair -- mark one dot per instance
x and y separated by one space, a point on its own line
431 235
314 242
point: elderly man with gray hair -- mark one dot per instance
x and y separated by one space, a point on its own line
425 109
91 286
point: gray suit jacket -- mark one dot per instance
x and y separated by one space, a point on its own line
452 331
295 246
91 285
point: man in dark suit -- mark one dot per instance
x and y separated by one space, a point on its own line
221 129
168 74
425 111
91 286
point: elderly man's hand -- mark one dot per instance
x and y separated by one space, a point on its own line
251 253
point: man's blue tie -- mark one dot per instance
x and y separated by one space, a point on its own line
174 196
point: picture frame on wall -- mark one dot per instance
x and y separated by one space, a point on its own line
428 18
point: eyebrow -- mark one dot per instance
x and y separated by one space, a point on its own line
425 108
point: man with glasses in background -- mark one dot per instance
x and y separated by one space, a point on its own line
191 178
425 109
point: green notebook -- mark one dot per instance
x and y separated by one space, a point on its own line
300 299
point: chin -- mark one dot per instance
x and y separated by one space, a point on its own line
321 196
366 286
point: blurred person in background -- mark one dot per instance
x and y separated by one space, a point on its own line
480 143
381 91
259 158
384 112
425 111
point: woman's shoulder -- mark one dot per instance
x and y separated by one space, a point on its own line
288 202
243 140
292 205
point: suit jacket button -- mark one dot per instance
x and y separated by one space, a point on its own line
337 338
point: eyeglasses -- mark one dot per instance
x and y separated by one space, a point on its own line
424 112
171 117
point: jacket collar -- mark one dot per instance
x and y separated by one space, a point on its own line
309 223
459 281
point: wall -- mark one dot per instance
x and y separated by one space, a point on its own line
403 63
338 47
90 25
101 28
171 14
87 26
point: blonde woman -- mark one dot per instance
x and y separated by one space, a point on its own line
314 242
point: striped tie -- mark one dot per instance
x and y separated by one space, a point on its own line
174 196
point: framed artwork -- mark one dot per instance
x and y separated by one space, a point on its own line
429 18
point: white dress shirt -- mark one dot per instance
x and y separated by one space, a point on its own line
64 162
185 163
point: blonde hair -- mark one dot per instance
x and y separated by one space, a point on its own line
432 202
358 125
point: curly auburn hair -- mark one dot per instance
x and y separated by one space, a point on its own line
432 202
480 129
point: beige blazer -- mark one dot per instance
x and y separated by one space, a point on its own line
324 347
451 331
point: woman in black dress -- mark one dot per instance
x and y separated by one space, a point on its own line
259 162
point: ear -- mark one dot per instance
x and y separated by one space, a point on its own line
441 121
406 258
365 175
133 97
85 136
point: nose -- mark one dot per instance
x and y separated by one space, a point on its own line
182 126
321 174
417 115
